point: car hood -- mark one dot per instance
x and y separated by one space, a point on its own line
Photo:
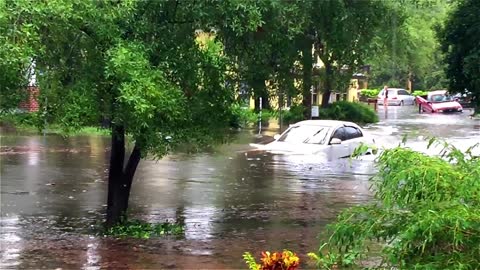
446 105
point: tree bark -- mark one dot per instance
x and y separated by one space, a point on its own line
120 178
307 63
260 90
328 83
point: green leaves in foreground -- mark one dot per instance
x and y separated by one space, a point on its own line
426 214
145 230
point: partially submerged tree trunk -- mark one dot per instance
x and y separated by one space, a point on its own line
328 83
260 90
307 63
120 177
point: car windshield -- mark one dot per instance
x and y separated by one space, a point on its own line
305 134
440 98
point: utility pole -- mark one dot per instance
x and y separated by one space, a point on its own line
260 117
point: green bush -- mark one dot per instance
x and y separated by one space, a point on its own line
370 93
267 115
419 93
31 121
349 111
295 114
425 214
244 117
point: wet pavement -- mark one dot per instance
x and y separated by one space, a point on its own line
53 195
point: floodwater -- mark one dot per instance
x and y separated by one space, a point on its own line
53 195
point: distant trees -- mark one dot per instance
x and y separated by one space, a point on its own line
409 53
461 44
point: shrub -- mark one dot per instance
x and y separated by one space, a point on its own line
370 93
295 114
242 116
419 93
285 260
22 120
426 214
349 111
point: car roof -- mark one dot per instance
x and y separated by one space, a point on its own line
437 92
395 88
324 123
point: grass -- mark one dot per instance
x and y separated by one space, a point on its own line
32 123
145 230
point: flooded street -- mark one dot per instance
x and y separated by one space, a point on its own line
53 196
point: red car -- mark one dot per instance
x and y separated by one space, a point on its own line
439 101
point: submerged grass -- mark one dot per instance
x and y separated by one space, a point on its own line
145 230
32 123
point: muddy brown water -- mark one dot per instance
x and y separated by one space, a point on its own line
53 194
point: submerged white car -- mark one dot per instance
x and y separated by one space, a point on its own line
337 139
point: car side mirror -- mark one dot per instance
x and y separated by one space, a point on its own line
335 141
276 136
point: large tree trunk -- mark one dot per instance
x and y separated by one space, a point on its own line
307 63
120 178
328 83
260 90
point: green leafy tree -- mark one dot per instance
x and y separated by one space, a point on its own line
16 60
461 44
409 53
139 64
342 37
266 55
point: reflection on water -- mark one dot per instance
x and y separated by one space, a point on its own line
231 201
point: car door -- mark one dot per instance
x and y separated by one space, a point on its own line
354 137
406 97
343 149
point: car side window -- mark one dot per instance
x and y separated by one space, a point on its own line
339 134
403 93
352 133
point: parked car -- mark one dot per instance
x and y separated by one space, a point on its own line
439 101
337 139
396 96
464 99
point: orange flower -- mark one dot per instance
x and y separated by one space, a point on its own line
286 260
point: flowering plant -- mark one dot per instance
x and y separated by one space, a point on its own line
285 260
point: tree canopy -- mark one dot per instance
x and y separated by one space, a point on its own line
410 50
165 73
461 44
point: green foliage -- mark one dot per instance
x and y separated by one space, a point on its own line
370 93
144 230
245 117
242 116
349 111
295 114
250 261
419 93
460 42
332 260
22 121
410 49
425 215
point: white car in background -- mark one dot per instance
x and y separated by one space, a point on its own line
396 96
337 139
